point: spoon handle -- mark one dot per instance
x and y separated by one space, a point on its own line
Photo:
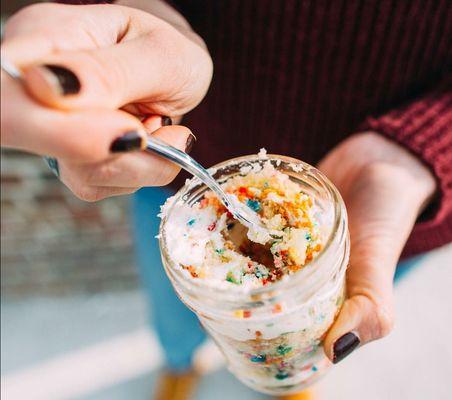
189 164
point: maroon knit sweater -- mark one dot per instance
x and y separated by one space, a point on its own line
298 77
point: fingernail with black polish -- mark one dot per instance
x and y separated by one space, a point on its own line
166 121
190 142
344 346
130 141
65 80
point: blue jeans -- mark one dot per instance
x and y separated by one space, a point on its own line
406 266
177 327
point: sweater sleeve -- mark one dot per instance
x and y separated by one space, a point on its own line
424 126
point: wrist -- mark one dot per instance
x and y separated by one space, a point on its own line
413 185
413 178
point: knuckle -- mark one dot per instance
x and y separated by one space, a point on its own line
82 191
190 65
74 179
110 78
164 177
378 316
87 194
383 319
100 173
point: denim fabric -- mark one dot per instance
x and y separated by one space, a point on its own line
177 327
405 267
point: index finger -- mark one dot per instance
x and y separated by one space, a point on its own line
83 136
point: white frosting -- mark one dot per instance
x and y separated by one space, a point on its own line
273 345
199 242
187 244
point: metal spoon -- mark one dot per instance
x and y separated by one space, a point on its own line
241 212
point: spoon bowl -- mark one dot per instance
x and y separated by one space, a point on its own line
240 211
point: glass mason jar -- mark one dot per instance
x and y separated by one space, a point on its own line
272 336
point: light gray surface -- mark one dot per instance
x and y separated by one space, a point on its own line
218 386
37 329
414 362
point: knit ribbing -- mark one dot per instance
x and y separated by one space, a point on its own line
425 127
297 77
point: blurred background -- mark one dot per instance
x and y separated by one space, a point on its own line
74 320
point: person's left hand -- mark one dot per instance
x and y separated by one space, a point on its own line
384 188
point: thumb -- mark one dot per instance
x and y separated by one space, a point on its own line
378 230
368 312
363 318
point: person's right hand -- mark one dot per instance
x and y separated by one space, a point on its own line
92 76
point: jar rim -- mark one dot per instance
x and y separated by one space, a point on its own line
340 219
